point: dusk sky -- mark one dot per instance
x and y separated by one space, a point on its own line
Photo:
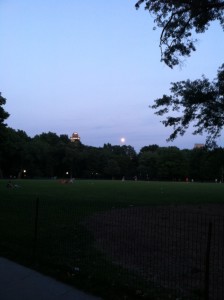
93 67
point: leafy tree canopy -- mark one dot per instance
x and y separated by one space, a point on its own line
150 148
198 101
3 114
178 19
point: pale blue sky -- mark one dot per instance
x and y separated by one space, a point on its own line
92 67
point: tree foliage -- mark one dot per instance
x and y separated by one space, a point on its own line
178 19
51 156
199 101
3 114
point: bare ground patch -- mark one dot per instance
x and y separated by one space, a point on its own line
166 245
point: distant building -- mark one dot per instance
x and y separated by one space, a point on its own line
75 137
199 146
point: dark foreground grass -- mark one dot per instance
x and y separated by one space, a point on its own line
42 225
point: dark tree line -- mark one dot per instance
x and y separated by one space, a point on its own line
51 156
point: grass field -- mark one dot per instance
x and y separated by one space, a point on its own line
54 240
115 193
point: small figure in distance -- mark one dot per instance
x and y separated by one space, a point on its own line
10 185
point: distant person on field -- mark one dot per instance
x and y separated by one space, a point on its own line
10 185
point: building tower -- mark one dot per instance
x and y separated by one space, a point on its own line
199 146
75 137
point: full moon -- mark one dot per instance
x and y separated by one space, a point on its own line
122 140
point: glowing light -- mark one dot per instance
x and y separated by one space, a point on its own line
122 140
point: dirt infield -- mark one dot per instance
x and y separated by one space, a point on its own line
166 245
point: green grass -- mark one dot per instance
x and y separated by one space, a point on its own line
114 193
63 244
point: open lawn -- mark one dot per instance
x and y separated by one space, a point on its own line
69 230
105 194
